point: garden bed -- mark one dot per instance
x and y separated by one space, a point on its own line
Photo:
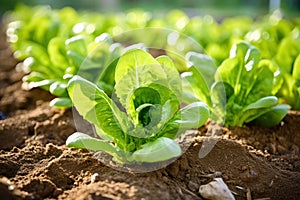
35 163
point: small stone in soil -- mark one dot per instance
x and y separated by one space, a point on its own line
95 177
2 116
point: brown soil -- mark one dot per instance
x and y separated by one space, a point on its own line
35 163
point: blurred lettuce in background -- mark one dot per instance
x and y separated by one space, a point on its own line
217 8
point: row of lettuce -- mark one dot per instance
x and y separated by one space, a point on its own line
242 70
55 44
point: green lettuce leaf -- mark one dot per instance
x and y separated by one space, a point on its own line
90 100
159 150
84 141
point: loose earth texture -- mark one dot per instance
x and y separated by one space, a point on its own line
254 162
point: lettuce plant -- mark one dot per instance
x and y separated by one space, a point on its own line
53 67
288 60
37 26
239 91
142 121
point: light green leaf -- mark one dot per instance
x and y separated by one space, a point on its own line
75 59
99 53
108 74
83 141
296 71
43 84
141 96
248 52
58 89
141 76
58 53
107 88
62 102
169 109
249 84
33 77
167 127
90 100
188 92
35 66
160 150
221 95
77 44
261 85
133 60
228 72
149 119
104 37
277 74
256 109
203 70
141 107
83 100
39 53
204 65
165 93
192 116
171 74
155 115
198 85
265 102
273 116
241 71
286 54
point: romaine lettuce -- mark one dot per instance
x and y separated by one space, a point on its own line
143 117
242 90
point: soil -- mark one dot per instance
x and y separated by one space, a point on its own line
255 162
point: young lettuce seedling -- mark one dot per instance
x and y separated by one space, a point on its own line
143 121
240 90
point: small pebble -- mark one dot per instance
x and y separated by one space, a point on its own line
95 177
216 190
253 173
11 187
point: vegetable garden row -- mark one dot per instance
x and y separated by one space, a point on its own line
256 80
144 79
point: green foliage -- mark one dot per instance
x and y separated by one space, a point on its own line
288 59
53 67
135 101
243 87
149 90
55 45
38 26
